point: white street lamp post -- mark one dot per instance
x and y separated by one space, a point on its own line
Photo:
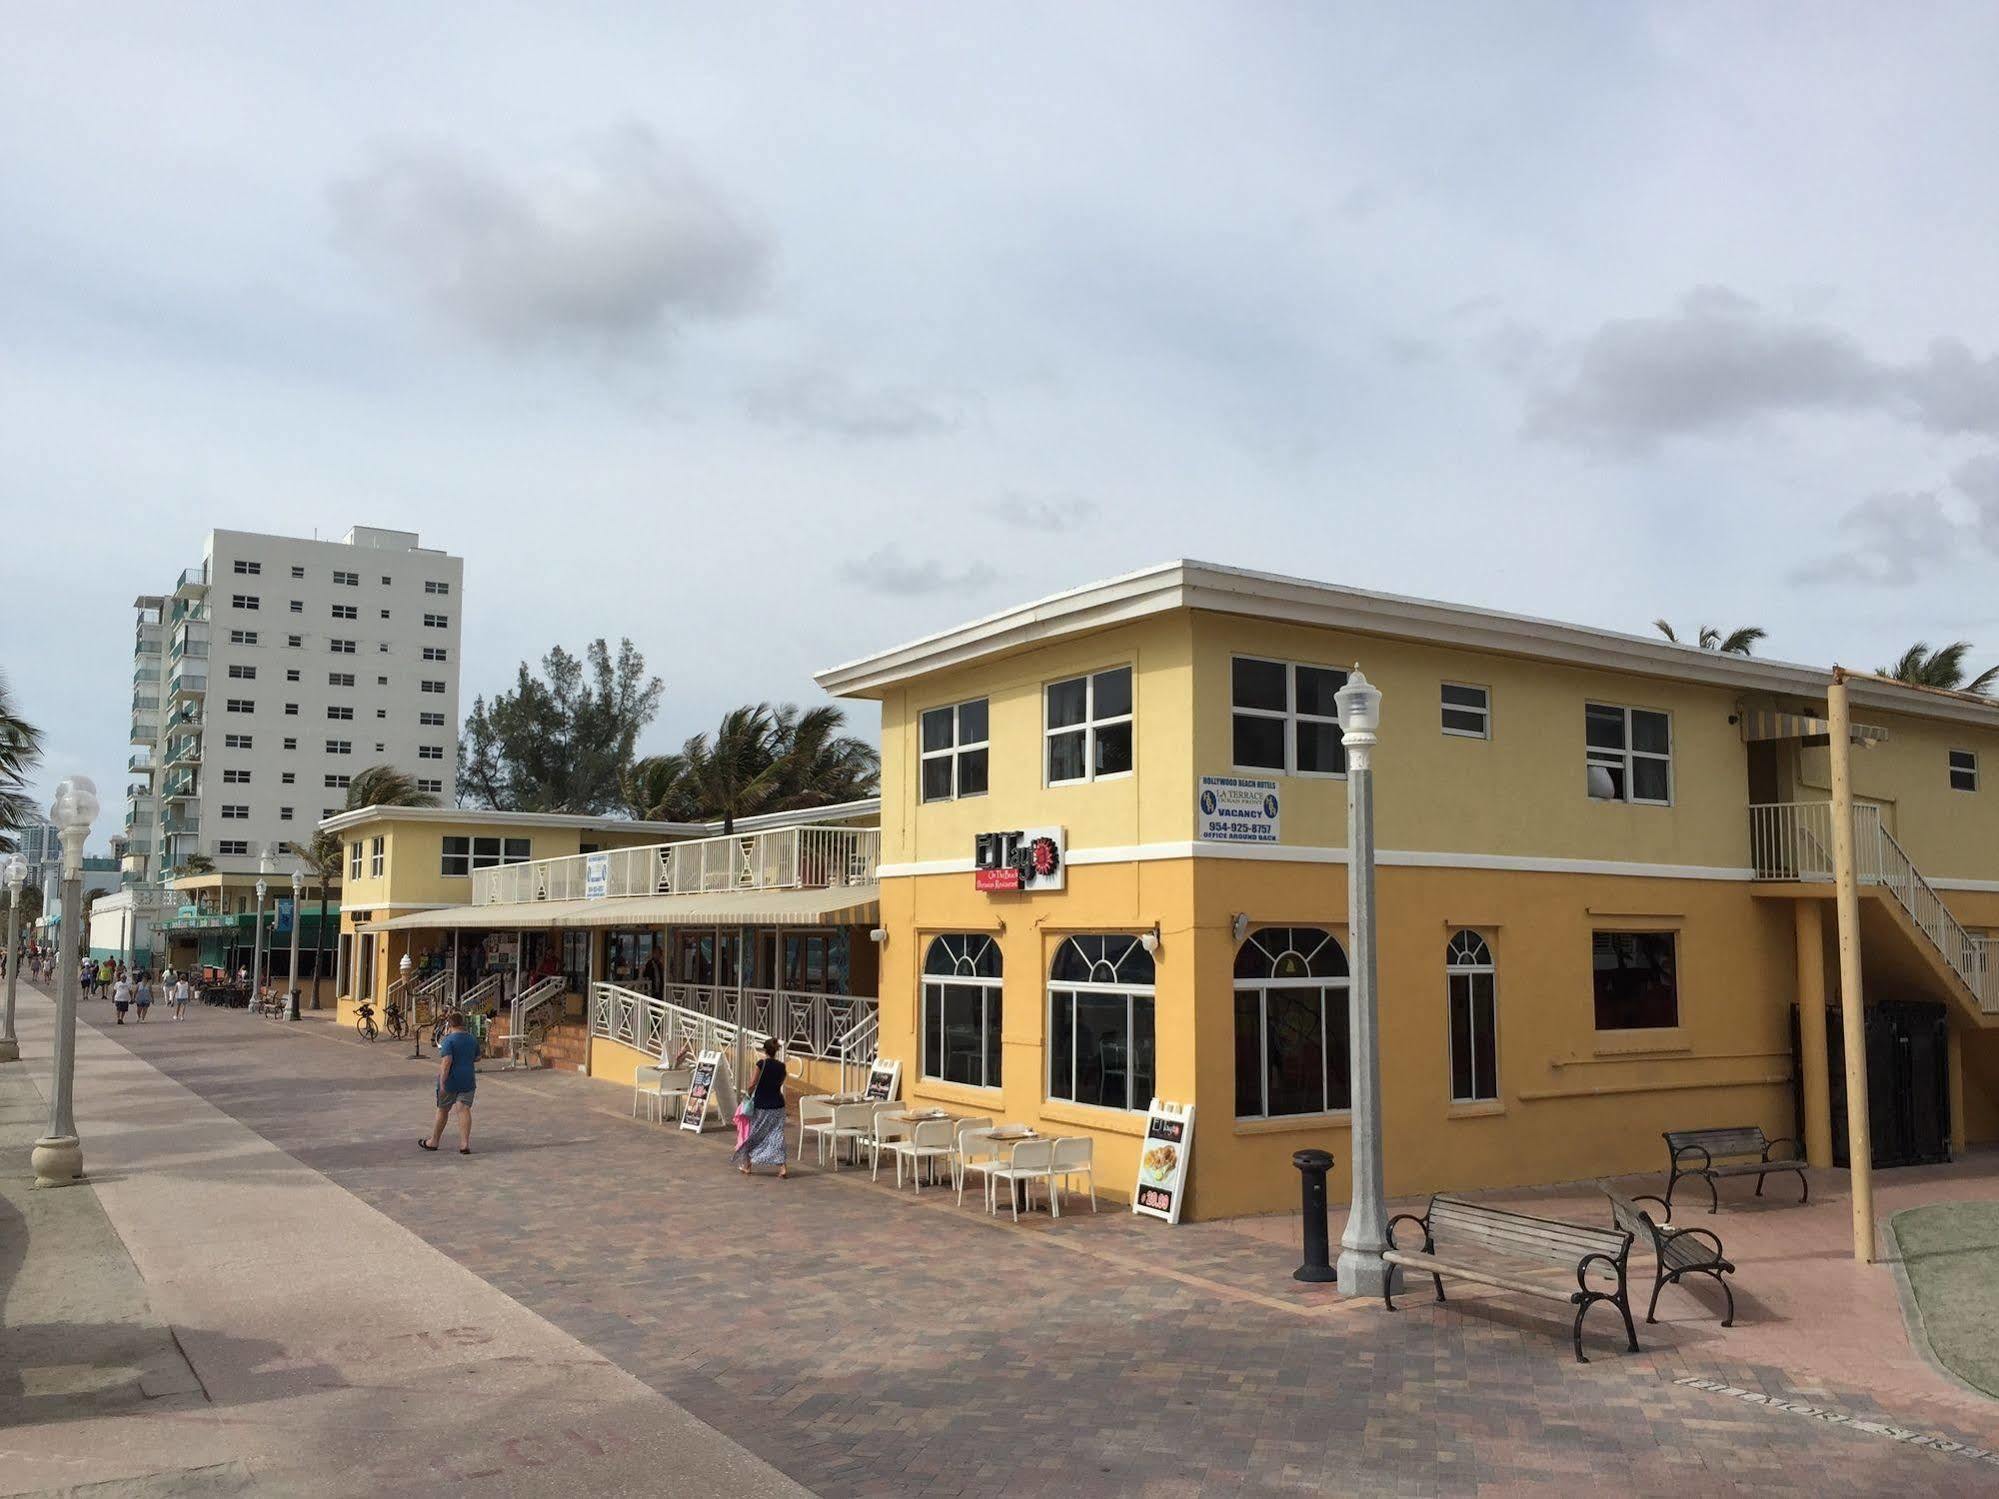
257 937
16 877
58 1155
1361 1271
291 973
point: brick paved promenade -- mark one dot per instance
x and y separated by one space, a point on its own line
866 1343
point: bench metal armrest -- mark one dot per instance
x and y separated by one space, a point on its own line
1648 1197
1797 1151
1423 1223
1582 1267
1705 1233
1706 1159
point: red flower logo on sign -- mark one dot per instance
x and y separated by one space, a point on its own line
1043 853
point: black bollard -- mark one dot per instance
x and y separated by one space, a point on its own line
1312 1168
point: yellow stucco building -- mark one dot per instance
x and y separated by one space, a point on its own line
1113 867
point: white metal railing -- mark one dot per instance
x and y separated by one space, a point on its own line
1793 841
833 1027
526 1002
490 990
782 859
434 994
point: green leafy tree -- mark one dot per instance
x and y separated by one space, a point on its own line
759 759
20 752
31 908
564 741
385 786
1734 643
1944 667
192 864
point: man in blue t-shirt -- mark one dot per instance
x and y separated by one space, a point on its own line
455 1081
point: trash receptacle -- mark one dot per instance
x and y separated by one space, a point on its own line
291 1005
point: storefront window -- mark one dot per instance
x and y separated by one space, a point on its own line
1291 1024
576 961
961 1010
1636 979
629 960
1100 1022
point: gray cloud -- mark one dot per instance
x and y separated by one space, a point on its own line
1721 362
885 570
1895 539
624 241
823 400
1047 516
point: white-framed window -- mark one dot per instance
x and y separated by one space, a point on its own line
340 679
1467 710
287 777
291 710
235 777
292 674
434 787
294 642
242 637
298 572
431 585
239 705
340 746
354 860
435 653
337 783
463 855
1088 727
346 611
235 812
243 601
430 752
1291 1024
291 743
375 848
962 995
1629 754
240 673
232 846
1100 1022
284 814
341 647
1964 770
249 569
1283 718
436 621
236 741
385 614
430 720
1470 984
429 686
342 711
346 580
382 647
954 751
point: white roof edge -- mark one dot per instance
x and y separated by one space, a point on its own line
763 821
1212 586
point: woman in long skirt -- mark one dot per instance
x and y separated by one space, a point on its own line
765 1146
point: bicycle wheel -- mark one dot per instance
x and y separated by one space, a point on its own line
366 1026
395 1023
436 1034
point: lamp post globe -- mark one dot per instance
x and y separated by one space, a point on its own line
57 1158
1361 1269
15 876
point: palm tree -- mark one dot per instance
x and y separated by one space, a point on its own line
194 864
760 759
1943 667
822 766
736 773
385 786
1734 643
321 858
656 790
20 751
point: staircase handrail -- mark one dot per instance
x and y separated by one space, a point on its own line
525 1003
1917 896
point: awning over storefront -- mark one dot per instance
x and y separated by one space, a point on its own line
1765 724
844 905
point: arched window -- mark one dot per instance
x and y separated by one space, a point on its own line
1469 978
961 1009
1291 1023
1100 1029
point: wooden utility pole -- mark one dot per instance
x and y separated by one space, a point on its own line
1846 888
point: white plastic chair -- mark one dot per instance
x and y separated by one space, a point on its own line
977 1152
852 1124
655 1085
815 1119
884 1133
932 1140
1075 1155
1033 1160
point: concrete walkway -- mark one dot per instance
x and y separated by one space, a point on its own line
210 1316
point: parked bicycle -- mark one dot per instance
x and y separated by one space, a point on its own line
364 1022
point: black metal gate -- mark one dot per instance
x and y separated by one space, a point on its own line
1908 1081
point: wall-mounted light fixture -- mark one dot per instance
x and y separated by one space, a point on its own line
1150 940
879 936
1239 925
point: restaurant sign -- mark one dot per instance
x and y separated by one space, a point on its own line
1162 1160
596 876
1236 809
1024 859
882 1078
700 1091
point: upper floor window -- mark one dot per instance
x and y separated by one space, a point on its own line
294 641
435 787
235 777
961 1009
235 811
242 673
436 621
954 751
1963 770
232 846
349 580
297 571
429 686
343 711
1089 726
435 653
1636 980
1469 976
1100 1022
243 600
430 752
341 647
1467 711
346 611
1291 1024
431 585
240 705
298 606
340 746
375 848
252 569
340 679
235 741
463 855
431 720
337 783
354 860
242 637
1629 754
1284 718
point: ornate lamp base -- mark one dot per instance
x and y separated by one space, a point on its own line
58 1161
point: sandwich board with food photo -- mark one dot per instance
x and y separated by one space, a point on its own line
1162 1160
700 1091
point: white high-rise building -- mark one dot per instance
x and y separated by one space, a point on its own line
275 672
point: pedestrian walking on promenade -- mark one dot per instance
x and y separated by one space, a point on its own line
456 1078
183 992
765 1146
121 997
142 995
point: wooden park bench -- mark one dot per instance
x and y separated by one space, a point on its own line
1504 1249
1675 1251
1713 1153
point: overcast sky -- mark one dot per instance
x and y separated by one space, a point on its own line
772 335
